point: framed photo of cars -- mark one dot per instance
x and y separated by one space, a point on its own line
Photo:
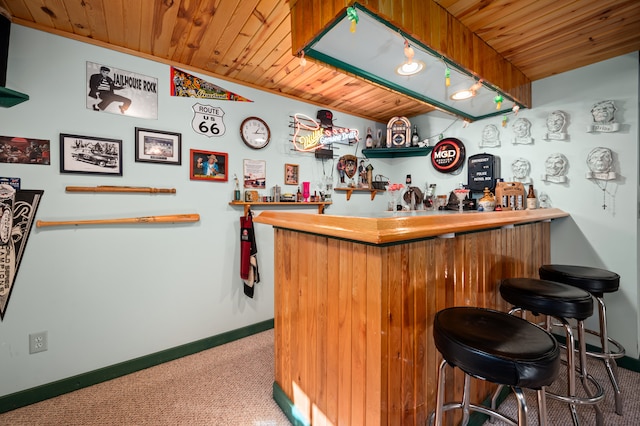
92 155
155 146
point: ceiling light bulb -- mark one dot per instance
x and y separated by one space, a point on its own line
463 94
410 68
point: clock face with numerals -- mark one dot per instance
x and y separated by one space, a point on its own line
255 132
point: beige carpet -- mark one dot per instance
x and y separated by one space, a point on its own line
231 385
227 385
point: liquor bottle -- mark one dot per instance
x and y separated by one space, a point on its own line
531 198
299 196
415 139
408 181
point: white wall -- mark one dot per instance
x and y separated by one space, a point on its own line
112 293
109 294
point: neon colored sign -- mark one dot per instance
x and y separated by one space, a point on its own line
309 135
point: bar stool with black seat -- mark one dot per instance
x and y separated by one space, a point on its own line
561 302
597 282
496 347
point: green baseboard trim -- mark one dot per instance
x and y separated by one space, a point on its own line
286 405
625 362
70 384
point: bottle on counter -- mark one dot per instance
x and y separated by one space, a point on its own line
408 181
415 138
299 196
532 201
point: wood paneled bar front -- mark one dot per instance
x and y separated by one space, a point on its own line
355 299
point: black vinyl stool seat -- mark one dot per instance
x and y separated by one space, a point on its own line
496 347
597 282
562 302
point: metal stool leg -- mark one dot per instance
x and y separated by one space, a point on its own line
609 362
440 393
542 407
584 376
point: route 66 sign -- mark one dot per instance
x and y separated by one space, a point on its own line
207 120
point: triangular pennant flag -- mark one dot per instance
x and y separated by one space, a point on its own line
186 85
17 220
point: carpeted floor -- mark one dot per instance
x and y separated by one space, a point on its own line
231 385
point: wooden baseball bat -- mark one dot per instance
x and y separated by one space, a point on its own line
145 219
106 188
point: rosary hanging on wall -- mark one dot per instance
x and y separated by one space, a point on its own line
600 162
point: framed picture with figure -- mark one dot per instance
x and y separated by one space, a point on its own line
208 165
290 174
87 154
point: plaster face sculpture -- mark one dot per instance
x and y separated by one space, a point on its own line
604 119
600 162
555 168
556 121
521 168
490 136
522 130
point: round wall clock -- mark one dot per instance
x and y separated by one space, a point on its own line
255 132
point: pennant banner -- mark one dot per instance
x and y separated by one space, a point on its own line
18 210
186 85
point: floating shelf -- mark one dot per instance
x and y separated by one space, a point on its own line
350 191
396 152
247 204
9 98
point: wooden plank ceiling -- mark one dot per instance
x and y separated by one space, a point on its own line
249 41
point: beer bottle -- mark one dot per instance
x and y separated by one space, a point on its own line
415 139
531 198
299 196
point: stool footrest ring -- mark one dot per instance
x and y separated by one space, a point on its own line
577 400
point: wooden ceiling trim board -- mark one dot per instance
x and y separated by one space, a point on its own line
145 39
497 33
255 33
582 21
205 54
199 27
18 9
259 22
234 26
78 18
58 13
495 13
165 17
183 27
114 20
35 10
133 25
95 16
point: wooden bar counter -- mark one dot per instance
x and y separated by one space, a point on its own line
355 299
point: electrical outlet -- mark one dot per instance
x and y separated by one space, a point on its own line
38 342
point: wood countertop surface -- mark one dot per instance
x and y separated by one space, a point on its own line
389 228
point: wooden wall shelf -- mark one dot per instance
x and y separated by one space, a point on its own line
396 152
350 191
247 204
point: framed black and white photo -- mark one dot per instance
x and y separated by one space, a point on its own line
87 154
155 146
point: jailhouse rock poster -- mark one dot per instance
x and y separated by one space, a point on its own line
117 91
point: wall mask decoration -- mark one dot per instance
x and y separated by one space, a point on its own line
490 136
556 122
521 169
522 132
600 163
556 166
604 120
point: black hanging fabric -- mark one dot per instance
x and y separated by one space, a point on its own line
248 255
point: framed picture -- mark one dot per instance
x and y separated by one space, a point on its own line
290 174
208 165
155 146
87 154
255 173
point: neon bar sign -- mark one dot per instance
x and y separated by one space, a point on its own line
309 135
